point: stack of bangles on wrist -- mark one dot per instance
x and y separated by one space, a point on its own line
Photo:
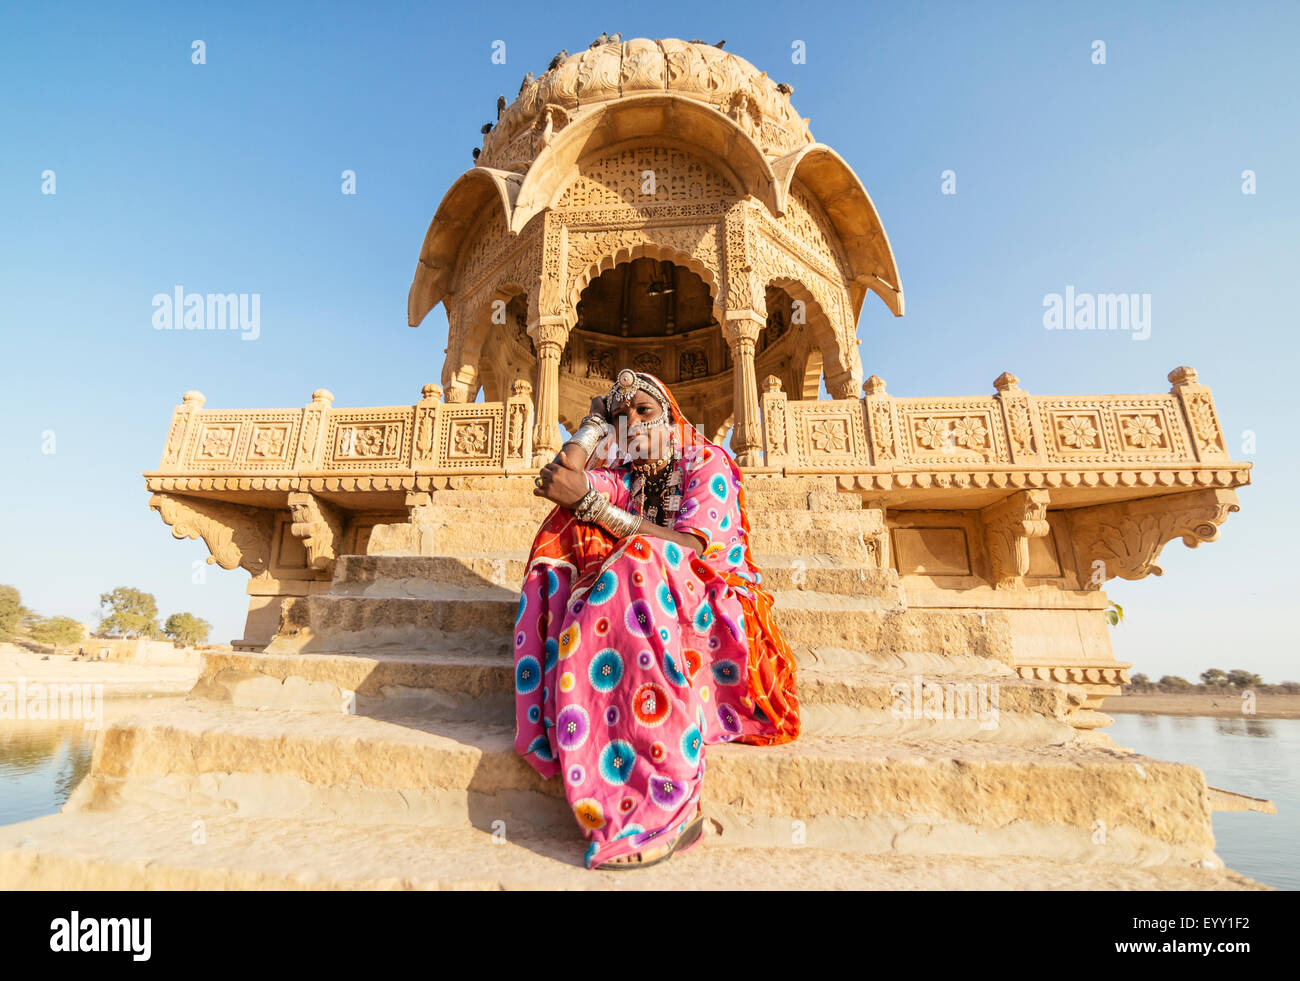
596 508
589 434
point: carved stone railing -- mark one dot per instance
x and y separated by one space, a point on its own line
428 437
1010 439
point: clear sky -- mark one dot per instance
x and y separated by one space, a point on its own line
225 177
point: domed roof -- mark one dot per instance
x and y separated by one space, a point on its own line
614 70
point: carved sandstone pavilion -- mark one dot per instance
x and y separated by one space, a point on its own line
938 562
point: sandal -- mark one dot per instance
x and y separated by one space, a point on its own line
688 839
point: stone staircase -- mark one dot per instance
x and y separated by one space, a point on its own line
371 745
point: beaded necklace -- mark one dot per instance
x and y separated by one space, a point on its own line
657 492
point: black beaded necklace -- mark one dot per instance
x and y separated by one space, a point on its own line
658 496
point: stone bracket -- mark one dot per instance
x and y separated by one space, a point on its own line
1125 539
236 534
320 525
1008 527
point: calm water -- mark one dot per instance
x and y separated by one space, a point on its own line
41 763
1256 757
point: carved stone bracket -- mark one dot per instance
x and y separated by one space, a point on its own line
1125 539
320 525
1008 527
876 533
236 535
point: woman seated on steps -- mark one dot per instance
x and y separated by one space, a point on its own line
643 634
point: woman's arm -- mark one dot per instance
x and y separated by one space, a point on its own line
563 480
685 539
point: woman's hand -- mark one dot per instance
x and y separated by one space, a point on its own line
598 408
561 485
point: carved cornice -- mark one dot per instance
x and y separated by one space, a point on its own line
236 535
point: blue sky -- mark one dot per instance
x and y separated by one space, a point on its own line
225 177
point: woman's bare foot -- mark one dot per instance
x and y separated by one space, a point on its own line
636 858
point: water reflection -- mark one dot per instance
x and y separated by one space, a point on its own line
1256 757
43 761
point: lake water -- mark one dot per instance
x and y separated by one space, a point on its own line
41 763
1256 757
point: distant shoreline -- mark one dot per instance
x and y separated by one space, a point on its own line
1225 706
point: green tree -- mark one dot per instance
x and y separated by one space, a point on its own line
1244 679
1140 680
57 631
1214 677
1171 682
11 611
132 613
186 629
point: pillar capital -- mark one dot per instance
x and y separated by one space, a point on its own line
741 327
550 334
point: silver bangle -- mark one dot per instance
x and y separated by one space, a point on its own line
597 509
618 522
588 436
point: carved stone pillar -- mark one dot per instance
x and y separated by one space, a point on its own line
878 413
741 333
519 430
426 427
311 444
775 428
1202 420
183 419
548 336
1026 441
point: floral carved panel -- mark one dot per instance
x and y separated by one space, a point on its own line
471 436
369 439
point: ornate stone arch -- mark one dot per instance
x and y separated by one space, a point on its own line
824 348
638 117
458 212
631 245
857 223
472 327
833 337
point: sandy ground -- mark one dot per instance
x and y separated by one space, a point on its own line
119 679
1228 705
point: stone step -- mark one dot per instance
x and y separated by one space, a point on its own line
467 687
469 619
89 851
858 795
814 538
760 493
414 576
